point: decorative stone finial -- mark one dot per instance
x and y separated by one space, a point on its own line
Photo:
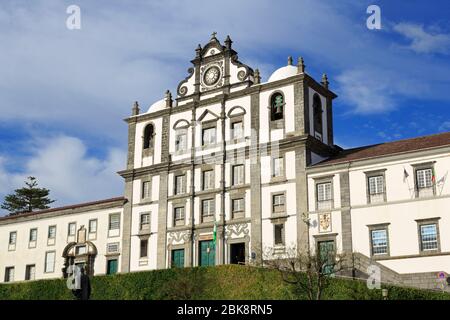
168 99
198 51
301 65
228 42
324 81
135 110
213 36
257 77
289 61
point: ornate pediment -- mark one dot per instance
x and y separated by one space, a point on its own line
216 66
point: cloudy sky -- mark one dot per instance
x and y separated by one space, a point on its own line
64 93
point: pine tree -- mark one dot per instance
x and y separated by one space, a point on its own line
27 199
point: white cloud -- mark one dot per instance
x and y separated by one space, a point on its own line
445 126
423 41
62 164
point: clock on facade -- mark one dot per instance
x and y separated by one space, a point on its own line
211 76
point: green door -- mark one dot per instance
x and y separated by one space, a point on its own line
178 258
112 266
326 254
207 253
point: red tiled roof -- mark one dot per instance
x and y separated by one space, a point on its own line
80 205
389 148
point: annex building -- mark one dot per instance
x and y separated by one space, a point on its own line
231 166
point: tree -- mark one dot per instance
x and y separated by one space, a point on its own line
307 271
27 199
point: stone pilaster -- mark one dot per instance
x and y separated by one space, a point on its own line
345 212
301 198
255 182
299 107
126 226
162 201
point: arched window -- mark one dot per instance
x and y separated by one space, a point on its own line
317 110
148 136
276 106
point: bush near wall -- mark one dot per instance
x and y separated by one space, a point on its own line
221 282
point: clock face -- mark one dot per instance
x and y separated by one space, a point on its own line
212 75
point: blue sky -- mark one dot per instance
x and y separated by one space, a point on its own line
64 93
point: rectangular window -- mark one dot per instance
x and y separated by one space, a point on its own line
144 248
208 179
181 140
376 185
71 229
279 234
145 221
238 175
12 237
114 221
51 232
9 274
237 130
379 242
208 208
30 272
93 226
33 235
49 261
112 247
146 189
208 136
238 205
278 203
324 196
178 214
428 237
278 167
424 178
179 184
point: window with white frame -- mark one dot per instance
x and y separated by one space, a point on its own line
51 232
379 241
208 208
237 206
12 238
9 274
181 140
146 189
278 203
114 221
33 235
178 214
424 181
238 174
30 272
93 226
71 229
144 223
49 261
324 196
237 130
429 237
208 179
208 136
278 167
179 184
376 188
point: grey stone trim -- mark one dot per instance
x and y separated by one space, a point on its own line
126 226
322 180
421 222
346 218
375 173
255 183
412 256
272 195
301 109
301 198
330 132
131 142
379 226
421 166
230 241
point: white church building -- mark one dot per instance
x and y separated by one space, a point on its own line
234 165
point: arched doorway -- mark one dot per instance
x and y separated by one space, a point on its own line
81 253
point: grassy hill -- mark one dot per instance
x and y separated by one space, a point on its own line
221 282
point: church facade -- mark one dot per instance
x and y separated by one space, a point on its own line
232 166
